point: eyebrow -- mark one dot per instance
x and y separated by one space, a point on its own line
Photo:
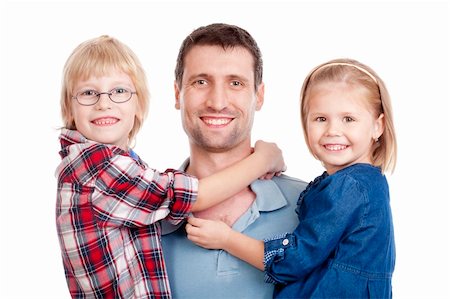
239 77
195 76
90 84
230 76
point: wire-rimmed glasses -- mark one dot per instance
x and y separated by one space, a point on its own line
90 97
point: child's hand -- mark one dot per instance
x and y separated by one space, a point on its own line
208 234
273 157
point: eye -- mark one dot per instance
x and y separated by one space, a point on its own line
119 90
348 119
88 93
200 82
320 119
237 84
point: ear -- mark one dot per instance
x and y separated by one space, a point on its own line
260 96
177 95
379 127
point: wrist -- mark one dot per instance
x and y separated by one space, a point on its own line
260 159
227 240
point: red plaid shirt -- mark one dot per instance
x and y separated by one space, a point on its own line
107 212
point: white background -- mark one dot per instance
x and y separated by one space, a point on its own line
407 43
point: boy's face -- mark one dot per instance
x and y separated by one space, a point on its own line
217 98
106 121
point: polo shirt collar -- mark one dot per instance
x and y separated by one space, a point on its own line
268 195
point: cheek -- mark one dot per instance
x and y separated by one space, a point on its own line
313 132
135 115
132 113
77 117
311 139
189 101
247 106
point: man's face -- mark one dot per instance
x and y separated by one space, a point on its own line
217 98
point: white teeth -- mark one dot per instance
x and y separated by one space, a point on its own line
108 121
335 147
217 121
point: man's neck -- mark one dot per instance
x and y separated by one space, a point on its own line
203 163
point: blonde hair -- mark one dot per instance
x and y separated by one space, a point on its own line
96 57
352 72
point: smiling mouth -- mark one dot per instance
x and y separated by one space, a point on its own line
335 147
105 121
214 121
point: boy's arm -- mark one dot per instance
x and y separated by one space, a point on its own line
128 194
266 159
212 234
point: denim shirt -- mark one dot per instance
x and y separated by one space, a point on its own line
195 272
343 246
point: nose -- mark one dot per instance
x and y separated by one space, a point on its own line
334 128
217 98
103 102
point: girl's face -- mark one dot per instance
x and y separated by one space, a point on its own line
341 128
106 121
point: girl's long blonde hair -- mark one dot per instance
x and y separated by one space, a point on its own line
352 72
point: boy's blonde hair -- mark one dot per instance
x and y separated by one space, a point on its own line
352 72
97 57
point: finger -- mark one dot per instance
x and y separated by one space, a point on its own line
196 240
269 176
188 228
192 238
192 231
194 221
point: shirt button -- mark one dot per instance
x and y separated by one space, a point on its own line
285 242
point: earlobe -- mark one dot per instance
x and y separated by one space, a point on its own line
260 97
177 95
379 127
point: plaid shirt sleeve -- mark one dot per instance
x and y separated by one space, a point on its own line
127 193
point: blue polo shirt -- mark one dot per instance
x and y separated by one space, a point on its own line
195 272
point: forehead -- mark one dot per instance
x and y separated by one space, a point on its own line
107 78
215 60
338 96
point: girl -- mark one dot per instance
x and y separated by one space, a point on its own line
343 246
109 202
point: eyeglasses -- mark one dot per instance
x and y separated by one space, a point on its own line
91 97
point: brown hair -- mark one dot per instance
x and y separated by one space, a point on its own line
225 36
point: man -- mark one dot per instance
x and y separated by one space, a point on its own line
218 88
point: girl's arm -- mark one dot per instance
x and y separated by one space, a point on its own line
266 161
212 234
